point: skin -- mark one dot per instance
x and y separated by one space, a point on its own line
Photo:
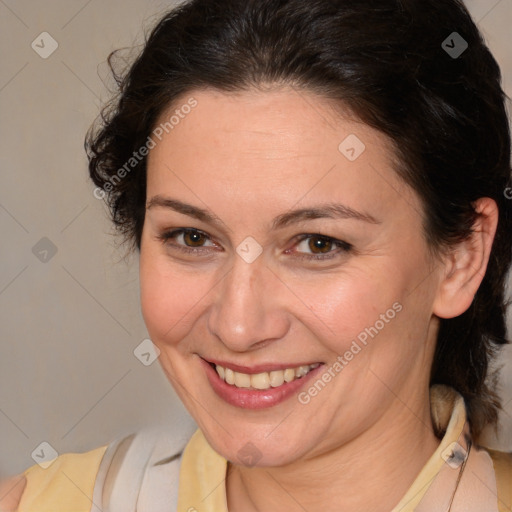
247 158
11 491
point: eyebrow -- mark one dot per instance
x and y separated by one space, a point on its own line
184 208
330 211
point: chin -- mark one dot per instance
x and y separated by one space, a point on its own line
251 445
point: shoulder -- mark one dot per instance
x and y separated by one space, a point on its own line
11 490
502 462
66 484
141 471
142 468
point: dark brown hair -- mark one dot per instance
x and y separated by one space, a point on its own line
445 114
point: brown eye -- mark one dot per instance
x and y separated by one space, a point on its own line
194 238
319 245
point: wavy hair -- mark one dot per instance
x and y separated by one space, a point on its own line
385 59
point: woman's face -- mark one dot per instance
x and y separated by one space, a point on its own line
274 240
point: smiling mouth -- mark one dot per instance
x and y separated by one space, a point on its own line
263 380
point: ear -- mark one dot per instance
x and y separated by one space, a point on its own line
466 263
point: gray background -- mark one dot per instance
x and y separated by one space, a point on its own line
69 325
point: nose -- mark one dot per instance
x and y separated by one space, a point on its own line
247 312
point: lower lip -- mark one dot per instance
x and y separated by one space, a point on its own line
255 399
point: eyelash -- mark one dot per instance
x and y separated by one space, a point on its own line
343 247
168 235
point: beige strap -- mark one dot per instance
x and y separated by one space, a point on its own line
465 483
139 473
503 468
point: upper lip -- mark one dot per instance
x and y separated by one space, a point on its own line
257 368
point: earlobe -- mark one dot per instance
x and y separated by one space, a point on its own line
465 265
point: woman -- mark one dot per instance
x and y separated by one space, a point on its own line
318 194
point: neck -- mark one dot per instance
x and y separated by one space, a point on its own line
371 472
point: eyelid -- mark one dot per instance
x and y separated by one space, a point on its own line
172 234
342 246
336 241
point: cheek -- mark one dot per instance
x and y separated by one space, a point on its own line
368 312
170 298
343 306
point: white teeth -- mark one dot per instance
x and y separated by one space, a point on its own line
301 371
242 380
229 376
264 380
260 380
289 374
276 378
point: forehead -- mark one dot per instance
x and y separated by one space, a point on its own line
280 144
279 121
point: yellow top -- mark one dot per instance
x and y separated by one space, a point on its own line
203 471
67 485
